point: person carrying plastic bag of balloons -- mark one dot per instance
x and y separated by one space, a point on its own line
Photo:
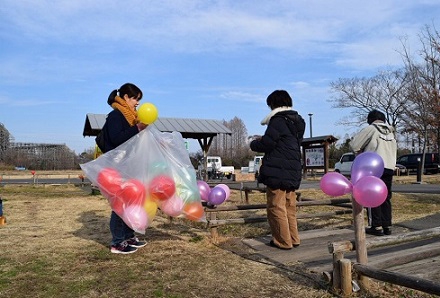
141 170
122 124
379 137
281 167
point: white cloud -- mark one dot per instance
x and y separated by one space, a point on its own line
360 36
310 93
14 102
382 48
300 84
199 25
243 96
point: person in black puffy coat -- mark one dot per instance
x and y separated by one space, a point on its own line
280 170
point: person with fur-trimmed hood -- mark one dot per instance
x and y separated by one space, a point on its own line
379 137
280 170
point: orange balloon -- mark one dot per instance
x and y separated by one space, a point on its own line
193 211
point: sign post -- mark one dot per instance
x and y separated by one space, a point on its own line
316 153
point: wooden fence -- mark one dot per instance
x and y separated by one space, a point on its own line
342 274
214 211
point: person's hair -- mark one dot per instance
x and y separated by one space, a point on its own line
375 115
128 88
279 98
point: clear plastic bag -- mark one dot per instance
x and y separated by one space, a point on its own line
150 170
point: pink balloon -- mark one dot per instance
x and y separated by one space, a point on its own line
135 217
172 206
335 184
226 189
366 164
204 190
370 191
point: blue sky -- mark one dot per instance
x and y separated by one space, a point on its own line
192 59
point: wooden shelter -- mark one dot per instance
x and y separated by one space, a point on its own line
203 130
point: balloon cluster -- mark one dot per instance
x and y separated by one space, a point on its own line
149 171
367 187
214 196
136 202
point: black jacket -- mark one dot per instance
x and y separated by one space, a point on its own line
117 130
281 165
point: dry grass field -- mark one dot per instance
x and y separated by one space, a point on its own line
54 244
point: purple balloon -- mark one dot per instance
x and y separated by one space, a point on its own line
335 184
370 191
366 164
226 189
204 190
217 196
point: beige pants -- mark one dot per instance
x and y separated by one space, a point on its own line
281 214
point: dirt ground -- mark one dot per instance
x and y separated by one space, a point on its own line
55 244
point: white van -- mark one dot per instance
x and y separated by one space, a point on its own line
343 166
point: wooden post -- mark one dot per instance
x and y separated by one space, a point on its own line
328 276
359 236
213 229
337 256
246 195
345 268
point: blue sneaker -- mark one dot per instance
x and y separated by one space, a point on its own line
134 242
122 248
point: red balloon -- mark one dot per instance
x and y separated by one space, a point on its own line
132 192
193 211
109 182
117 205
162 187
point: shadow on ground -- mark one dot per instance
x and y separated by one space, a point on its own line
96 228
296 271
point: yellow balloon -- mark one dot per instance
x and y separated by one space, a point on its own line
150 208
147 113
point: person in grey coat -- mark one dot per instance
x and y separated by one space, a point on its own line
379 137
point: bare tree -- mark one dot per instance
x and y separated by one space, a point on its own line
384 92
423 111
5 140
238 138
233 149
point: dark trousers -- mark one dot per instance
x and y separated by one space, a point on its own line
119 229
381 216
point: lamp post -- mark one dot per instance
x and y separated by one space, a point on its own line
310 117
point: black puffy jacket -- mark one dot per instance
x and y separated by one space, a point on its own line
281 165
